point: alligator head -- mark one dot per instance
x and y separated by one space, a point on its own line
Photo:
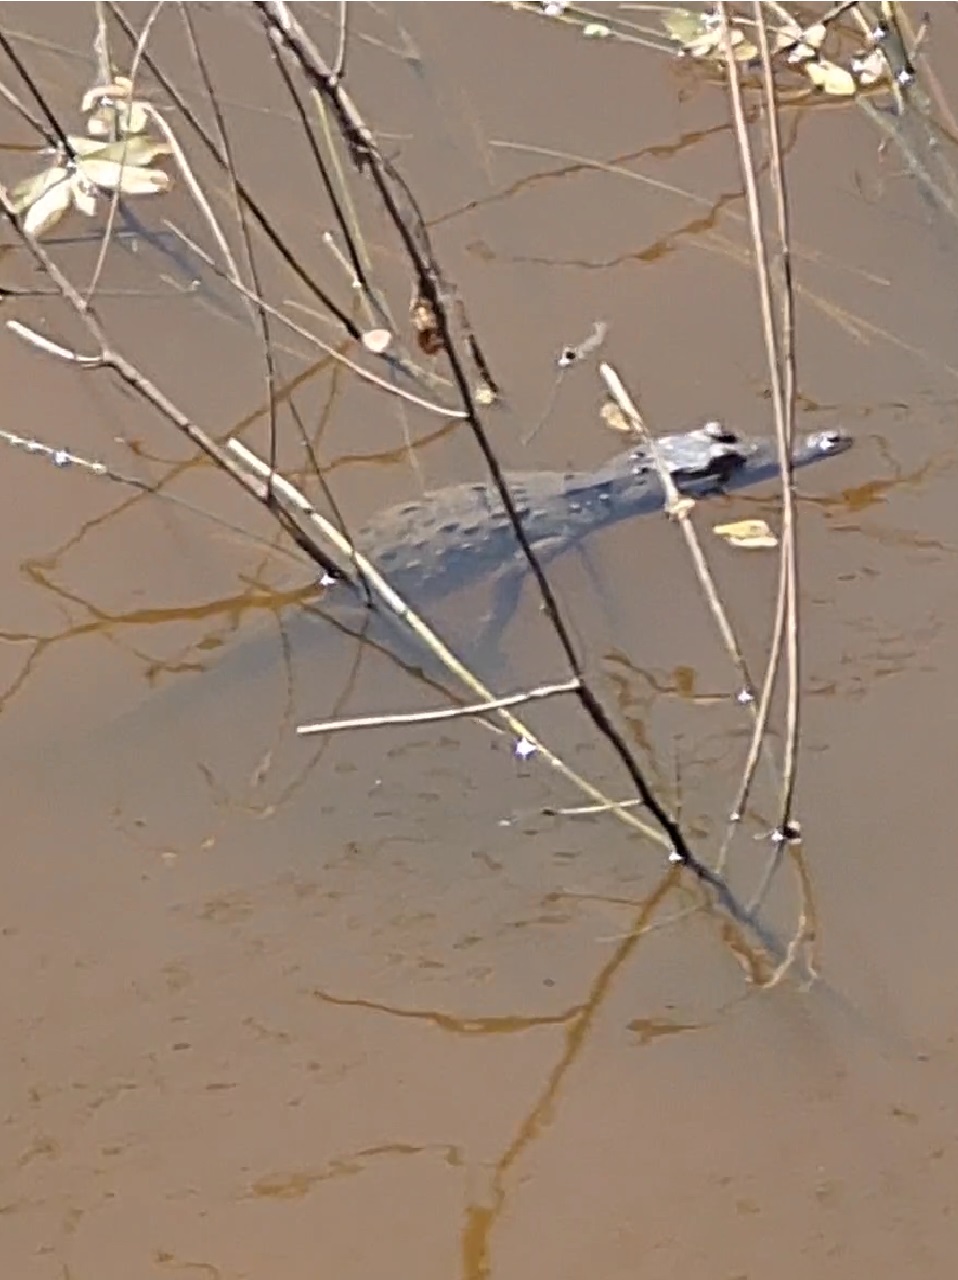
713 456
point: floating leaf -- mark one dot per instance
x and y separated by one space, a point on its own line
46 210
27 192
683 26
131 180
807 43
831 78
137 151
112 106
744 52
377 340
129 119
614 418
750 534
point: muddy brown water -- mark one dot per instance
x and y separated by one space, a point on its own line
364 1008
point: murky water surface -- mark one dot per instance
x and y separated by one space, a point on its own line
279 1009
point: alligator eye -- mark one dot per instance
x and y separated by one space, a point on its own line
830 440
718 431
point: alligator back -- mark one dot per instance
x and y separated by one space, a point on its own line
451 537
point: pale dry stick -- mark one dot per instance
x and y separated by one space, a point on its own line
404 613
339 66
390 388
443 713
786 612
101 45
679 509
783 413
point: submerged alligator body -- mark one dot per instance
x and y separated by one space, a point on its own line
452 537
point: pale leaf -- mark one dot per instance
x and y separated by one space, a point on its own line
50 208
30 190
137 151
84 146
831 78
614 418
131 180
134 119
749 534
683 26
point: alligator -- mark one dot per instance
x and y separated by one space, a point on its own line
452 537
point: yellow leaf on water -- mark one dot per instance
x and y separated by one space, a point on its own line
831 78
614 418
683 25
750 534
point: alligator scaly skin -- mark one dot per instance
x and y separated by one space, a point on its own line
451 537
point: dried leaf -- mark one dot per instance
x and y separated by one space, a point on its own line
30 190
128 119
808 44
46 212
131 180
112 106
137 151
831 78
614 418
377 340
683 26
596 31
750 534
